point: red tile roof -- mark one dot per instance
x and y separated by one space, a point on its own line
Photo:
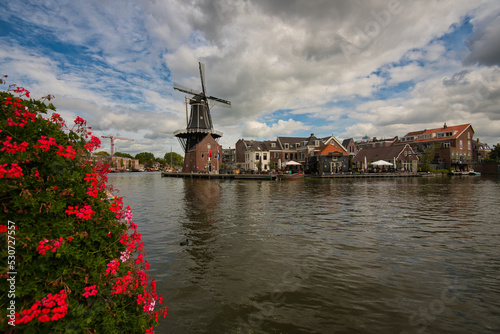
457 130
327 149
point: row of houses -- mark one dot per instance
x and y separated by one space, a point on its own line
120 163
446 147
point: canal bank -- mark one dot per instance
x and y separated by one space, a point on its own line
273 177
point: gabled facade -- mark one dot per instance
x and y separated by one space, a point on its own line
480 150
402 155
452 146
327 159
350 146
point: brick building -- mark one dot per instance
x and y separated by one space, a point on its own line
452 146
203 157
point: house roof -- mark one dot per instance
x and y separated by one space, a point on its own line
387 153
327 149
293 141
432 134
346 142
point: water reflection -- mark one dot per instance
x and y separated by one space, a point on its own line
321 256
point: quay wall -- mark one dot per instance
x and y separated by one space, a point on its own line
493 168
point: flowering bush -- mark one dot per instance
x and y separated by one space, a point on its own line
74 261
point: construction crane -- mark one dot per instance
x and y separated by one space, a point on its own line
113 142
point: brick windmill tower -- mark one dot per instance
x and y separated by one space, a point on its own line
199 140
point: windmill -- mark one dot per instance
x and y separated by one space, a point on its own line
113 142
199 122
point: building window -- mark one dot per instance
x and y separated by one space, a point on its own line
469 145
446 144
265 156
273 144
257 156
286 146
461 145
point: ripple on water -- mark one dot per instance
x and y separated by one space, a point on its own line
317 256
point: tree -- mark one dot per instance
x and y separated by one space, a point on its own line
75 259
177 159
123 155
427 157
162 162
102 154
495 153
145 157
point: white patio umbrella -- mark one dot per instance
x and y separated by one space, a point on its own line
381 163
292 163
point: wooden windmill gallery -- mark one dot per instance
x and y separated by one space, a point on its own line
199 140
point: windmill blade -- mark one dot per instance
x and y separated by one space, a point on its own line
220 102
184 89
202 76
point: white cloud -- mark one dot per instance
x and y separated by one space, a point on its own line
262 130
113 62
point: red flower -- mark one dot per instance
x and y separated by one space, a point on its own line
13 172
13 147
83 213
90 291
67 152
80 121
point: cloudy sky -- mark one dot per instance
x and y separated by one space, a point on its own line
290 68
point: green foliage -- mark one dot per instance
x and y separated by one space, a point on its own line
74 255
123 155
102 154
177 159
495 153
145 158
426 158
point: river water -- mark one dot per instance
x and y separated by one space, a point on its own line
402 255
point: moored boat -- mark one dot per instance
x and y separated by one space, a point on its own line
294 176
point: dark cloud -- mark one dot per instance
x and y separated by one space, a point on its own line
484 43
